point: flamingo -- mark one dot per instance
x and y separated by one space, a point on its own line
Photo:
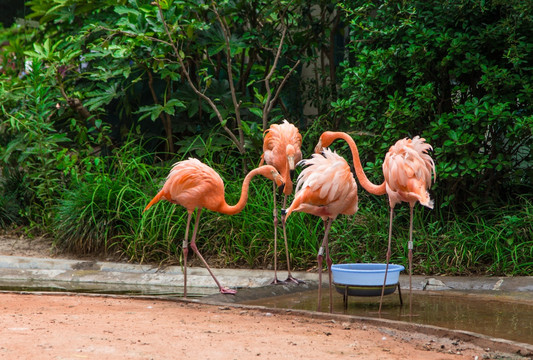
281 149
325 188
195 185
407 170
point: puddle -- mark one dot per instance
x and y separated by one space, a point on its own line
481 312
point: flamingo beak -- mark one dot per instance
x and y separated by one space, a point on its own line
279 181
319 147
290 159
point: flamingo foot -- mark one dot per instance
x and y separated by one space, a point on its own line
277 282
224 290
292 279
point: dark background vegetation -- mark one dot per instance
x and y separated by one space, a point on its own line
99 98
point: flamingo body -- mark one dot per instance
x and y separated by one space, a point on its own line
408 170
281 149
325 188
189 181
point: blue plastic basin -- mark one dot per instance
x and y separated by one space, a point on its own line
363 279
364 274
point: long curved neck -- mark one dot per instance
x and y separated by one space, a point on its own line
287 189
237 208
361 176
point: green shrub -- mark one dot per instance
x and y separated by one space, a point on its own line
455 72
104 202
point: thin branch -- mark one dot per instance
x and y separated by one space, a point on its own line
133 35
166 120
270 101
74 103
280 87
236 104
193 87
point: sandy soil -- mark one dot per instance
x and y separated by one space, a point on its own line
62 326
73 327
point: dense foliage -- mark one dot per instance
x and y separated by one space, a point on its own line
460 74
100 97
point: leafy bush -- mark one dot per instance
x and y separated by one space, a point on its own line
31 144
457 73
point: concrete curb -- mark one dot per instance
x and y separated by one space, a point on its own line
17 268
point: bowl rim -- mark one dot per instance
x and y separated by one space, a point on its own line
344 268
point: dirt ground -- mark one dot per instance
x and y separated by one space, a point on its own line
73 327
63 326
20 245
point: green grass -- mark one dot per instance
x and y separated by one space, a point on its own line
104 213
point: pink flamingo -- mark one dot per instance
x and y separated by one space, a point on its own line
195 185
281 149
325 188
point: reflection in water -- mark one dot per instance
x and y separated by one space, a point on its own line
479 313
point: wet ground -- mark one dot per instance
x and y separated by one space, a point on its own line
483 312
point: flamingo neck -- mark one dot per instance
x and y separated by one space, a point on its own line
361 176
237 208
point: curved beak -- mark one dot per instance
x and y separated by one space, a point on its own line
319 147
290 160
279 182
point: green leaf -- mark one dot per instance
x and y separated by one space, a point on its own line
257 112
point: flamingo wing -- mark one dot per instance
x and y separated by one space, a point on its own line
292 140
326 187
193 184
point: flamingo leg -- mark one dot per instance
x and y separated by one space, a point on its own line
320 257
388 258
290 278
410 256
223 290
329 263
275 213
185 252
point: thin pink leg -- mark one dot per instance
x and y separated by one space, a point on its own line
388 259
275 213
290 278
319 260
185 252
329 263
410 248
223 290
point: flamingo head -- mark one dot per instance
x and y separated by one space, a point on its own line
324 141
276 177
